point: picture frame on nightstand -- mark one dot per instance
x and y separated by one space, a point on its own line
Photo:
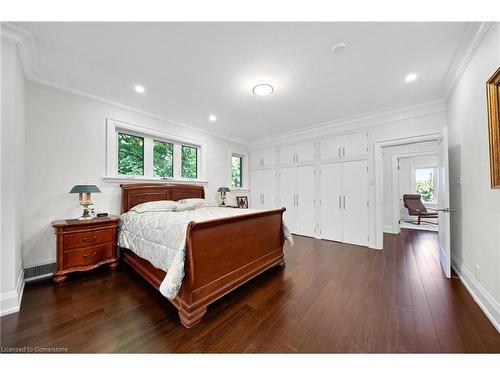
242 201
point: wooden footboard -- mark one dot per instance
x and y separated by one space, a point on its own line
221 254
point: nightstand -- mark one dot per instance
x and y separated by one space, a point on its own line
83 245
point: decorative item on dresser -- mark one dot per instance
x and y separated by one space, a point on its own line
223 190
242 201
83 245
88 210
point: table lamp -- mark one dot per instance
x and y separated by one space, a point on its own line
85 201
223 190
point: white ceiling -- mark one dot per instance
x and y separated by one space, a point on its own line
191 70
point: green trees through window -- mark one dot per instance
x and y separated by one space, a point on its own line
130 154
236 171
189 162
424 180
163 159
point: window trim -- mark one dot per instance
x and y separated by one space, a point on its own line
235 155
435 181
113 127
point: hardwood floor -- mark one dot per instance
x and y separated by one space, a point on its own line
331 297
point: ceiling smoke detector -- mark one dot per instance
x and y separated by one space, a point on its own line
339 47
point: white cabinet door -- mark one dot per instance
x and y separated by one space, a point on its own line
288 185
331 147
305 201
287 154
263 188
304 151
355 144
297 152
263 158
355 202
331 201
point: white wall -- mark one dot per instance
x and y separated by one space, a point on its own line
475 239
12 177
404 173
411 122
66 145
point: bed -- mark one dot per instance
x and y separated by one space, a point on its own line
220 254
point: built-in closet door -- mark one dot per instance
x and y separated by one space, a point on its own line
299 152
355 202
355 144
263 158
263 192
331 147
305 201
288 199
331 201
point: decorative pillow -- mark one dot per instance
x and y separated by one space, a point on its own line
156 206
189 204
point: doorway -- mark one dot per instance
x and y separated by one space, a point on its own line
425 163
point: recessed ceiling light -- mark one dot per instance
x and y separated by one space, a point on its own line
212 118
339 47
411 77
263 89
139 89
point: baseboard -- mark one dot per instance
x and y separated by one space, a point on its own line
389 229
10 302
483 298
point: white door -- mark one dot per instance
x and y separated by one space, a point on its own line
331 201
257 191
331 147
355 202
263 192
287 154
262 158
355 144
288 191
444 205
304 151
305 201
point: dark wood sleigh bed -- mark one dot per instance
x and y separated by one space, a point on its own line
221 254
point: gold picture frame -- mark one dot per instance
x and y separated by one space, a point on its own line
493 102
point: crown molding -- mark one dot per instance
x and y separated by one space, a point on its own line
358 122
471 40
27 51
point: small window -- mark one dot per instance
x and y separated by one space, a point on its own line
130 155
189 162
425 183
163 159
236 171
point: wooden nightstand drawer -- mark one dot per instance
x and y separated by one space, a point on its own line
90 238
87 256
83 245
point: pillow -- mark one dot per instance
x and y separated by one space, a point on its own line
156 206
189 204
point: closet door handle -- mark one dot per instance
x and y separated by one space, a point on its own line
297 200
340 202
339 152
343 151
297 158
344 202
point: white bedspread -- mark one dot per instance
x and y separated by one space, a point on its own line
160 237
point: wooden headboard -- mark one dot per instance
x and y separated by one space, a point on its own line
134 194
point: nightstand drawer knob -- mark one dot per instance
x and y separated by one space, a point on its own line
92 239
90 256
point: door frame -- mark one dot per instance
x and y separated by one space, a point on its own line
379 177
396 212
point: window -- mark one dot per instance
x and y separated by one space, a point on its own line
425 183
236 171
163 159
136 152
130 154
189 162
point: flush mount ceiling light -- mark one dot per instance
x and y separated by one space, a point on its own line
411 77
339 47
139 89
263 89
212 118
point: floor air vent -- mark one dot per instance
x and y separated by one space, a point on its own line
39 272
